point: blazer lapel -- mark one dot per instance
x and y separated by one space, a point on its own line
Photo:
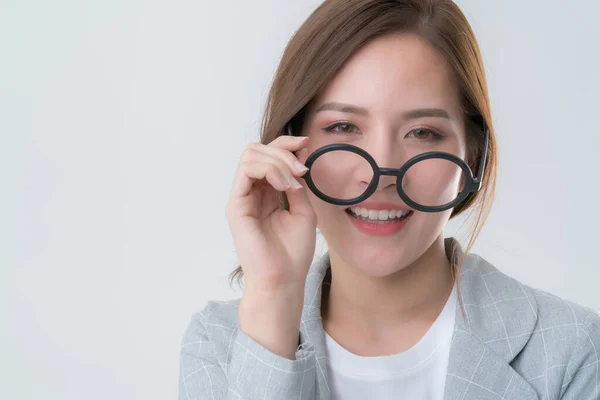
477 373
500 319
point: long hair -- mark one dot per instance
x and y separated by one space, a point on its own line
337 29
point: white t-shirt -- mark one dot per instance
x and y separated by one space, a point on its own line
417 373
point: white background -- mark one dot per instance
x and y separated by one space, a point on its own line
120 127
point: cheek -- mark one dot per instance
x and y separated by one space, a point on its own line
431 224
433 182
329 216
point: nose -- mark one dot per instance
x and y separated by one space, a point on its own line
382 149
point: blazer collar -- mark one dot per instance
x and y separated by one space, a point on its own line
500 319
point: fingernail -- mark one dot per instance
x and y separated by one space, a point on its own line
295 184
300 167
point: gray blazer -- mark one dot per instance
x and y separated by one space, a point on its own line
518 343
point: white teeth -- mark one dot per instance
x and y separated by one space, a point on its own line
381 215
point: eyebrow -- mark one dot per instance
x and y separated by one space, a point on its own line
411 114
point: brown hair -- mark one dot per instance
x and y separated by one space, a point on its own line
338 28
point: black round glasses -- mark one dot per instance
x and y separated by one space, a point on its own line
427 182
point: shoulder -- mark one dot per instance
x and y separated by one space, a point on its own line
490 287
566 324
552 341
555 311
214 326
210 336
217 317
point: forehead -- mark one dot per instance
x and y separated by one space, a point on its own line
395 71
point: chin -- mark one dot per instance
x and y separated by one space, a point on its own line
380 256
375 258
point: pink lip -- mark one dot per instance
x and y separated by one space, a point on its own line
375 229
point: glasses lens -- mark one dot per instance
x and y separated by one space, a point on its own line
433 182
341 174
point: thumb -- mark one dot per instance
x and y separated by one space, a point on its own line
299 202
298 198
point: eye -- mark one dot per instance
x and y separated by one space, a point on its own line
425 134
345 128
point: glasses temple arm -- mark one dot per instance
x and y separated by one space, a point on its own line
483 157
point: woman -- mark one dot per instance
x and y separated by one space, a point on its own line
378 130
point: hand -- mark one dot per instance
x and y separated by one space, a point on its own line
275 247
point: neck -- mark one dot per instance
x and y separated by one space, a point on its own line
414 294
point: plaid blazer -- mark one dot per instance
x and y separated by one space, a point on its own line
517 343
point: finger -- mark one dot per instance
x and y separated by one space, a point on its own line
289 143
286 156
269 202
283 159
299 202
251 171
297 198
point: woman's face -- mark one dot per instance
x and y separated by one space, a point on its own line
395 98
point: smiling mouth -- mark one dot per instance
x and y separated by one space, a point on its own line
378 216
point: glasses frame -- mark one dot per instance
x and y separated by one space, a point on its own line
472 183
